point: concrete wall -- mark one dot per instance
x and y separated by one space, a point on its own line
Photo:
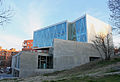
95 27
68 54
28 64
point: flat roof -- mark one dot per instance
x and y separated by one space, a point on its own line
41 48
52 25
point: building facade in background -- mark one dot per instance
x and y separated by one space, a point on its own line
6 57
27 45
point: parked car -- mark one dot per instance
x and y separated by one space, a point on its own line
8 70
1 70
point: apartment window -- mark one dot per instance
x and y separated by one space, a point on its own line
45 62
25 43
40 51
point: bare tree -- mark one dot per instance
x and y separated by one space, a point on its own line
5 13
114 7
104 45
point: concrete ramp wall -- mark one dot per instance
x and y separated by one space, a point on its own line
68 54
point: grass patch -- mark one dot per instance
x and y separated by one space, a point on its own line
86 67
111 78
107 62
54 73
112 70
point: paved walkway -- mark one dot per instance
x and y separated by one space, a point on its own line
4 75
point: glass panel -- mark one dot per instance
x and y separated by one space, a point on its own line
44 37
81 31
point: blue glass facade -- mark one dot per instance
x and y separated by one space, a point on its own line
44 37
81 30
76 31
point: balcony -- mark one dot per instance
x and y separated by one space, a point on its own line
24 44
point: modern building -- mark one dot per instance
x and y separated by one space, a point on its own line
65 45
6 57
27 45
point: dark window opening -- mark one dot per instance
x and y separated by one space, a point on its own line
16 73
94 58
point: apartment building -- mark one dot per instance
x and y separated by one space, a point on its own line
6 57
27 45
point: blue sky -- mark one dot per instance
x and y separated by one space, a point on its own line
31 15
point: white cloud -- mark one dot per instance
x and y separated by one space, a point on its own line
34 19
11 41
36 14
27 21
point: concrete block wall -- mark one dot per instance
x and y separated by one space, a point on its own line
68 54
28 64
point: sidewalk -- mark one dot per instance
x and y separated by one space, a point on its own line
4 75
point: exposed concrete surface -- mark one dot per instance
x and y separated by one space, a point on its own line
68 54
28 64
4 76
